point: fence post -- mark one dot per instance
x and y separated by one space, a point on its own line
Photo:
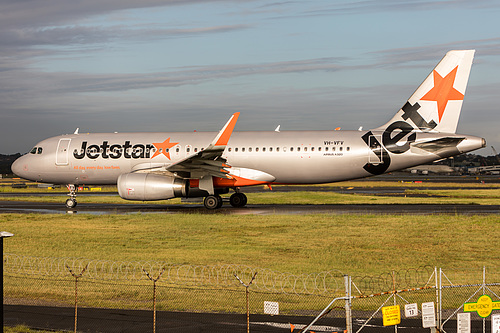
440 306
154 294
484 291
76 276
247 292
348 314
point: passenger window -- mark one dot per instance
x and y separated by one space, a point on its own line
348 148
39 150
177 149
298 148
305 148
33 151
333 148
263 149
270 148
326 148
196 150
189 149
229 149
250 149
312 148
319 148
243 150
235 150
257 149
277 148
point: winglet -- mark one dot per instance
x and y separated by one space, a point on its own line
222 138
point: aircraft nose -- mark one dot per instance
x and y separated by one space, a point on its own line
17 167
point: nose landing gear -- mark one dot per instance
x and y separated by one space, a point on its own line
71 202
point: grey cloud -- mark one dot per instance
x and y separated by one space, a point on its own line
81 35
36 13
78 82
428 55
372 6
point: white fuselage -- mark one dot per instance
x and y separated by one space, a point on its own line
299 157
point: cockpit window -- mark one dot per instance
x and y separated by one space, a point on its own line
39 150
33 151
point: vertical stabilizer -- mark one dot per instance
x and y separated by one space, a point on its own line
437 102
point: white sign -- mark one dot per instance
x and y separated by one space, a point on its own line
428 315
272 308
495 323
463 322
411 310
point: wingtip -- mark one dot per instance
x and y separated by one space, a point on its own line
227 130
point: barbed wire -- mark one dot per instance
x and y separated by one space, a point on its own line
222 275
396 280
329 283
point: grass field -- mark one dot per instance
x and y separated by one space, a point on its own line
358 245
354 244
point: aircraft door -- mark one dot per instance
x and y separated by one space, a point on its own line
62 153
376 150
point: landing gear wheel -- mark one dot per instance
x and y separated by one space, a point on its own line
71 203
212 202
238 200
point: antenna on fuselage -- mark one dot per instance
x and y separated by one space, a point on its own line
76 131
277 129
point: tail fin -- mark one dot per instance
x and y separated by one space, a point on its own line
437 102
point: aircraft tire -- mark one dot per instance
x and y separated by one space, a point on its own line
71 203
212 202
238 200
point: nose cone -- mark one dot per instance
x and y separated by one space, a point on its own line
18 168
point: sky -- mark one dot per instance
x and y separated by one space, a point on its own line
184 65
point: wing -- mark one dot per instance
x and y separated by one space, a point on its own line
209 161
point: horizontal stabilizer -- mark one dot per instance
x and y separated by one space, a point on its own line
440 144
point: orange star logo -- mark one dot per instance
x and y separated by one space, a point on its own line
163 148
443 91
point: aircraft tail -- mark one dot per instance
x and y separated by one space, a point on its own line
437 102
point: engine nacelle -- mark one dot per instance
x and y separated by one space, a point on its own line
148 186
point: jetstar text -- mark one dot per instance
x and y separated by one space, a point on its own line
114 151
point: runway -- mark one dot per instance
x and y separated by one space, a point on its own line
431 182
124 321
26 207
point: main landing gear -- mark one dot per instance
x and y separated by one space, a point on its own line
71 202
237 199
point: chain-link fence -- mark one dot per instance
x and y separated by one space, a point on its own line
293 300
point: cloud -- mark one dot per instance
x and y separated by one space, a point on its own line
47 83
49 13
376 6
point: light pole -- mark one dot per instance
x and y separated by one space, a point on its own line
3 234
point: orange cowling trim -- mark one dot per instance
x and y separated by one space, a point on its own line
236 182
226 182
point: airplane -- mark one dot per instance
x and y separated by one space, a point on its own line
160 166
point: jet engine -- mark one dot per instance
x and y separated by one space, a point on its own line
148 186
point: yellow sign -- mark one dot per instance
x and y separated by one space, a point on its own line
391 315
483 306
